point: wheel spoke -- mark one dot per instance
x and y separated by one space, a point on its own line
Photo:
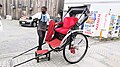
80 41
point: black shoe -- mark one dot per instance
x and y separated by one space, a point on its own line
39 49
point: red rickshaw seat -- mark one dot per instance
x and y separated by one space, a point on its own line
62 30
68 23
54 43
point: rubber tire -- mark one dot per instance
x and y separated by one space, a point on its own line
81 56
34 24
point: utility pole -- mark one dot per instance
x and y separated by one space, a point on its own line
17 11
4 6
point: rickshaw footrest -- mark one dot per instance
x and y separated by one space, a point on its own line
42 52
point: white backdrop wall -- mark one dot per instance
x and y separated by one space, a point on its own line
102 6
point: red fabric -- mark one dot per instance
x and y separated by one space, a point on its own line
68 23
41 51
50 30
62 30
60 23
54 43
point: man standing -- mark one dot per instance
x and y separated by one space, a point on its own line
43 18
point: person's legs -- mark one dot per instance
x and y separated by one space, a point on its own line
41 35
39 39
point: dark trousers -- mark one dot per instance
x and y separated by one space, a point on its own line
41 35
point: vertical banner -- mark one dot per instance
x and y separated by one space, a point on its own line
97 24
105 25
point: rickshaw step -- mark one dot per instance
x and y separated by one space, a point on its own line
54 43
41 53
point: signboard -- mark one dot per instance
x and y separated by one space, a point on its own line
89 25
114 22
108 24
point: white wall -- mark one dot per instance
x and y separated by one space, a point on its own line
66 1
102 6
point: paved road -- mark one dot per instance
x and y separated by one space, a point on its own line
15 39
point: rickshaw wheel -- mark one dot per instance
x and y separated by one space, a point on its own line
76 48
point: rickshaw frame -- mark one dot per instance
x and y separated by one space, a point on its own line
83 10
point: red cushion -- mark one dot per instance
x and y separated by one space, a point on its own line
41 51
62 30
68 23
54 43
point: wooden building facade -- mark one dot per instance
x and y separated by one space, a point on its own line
17 8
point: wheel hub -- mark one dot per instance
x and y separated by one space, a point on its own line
72 50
